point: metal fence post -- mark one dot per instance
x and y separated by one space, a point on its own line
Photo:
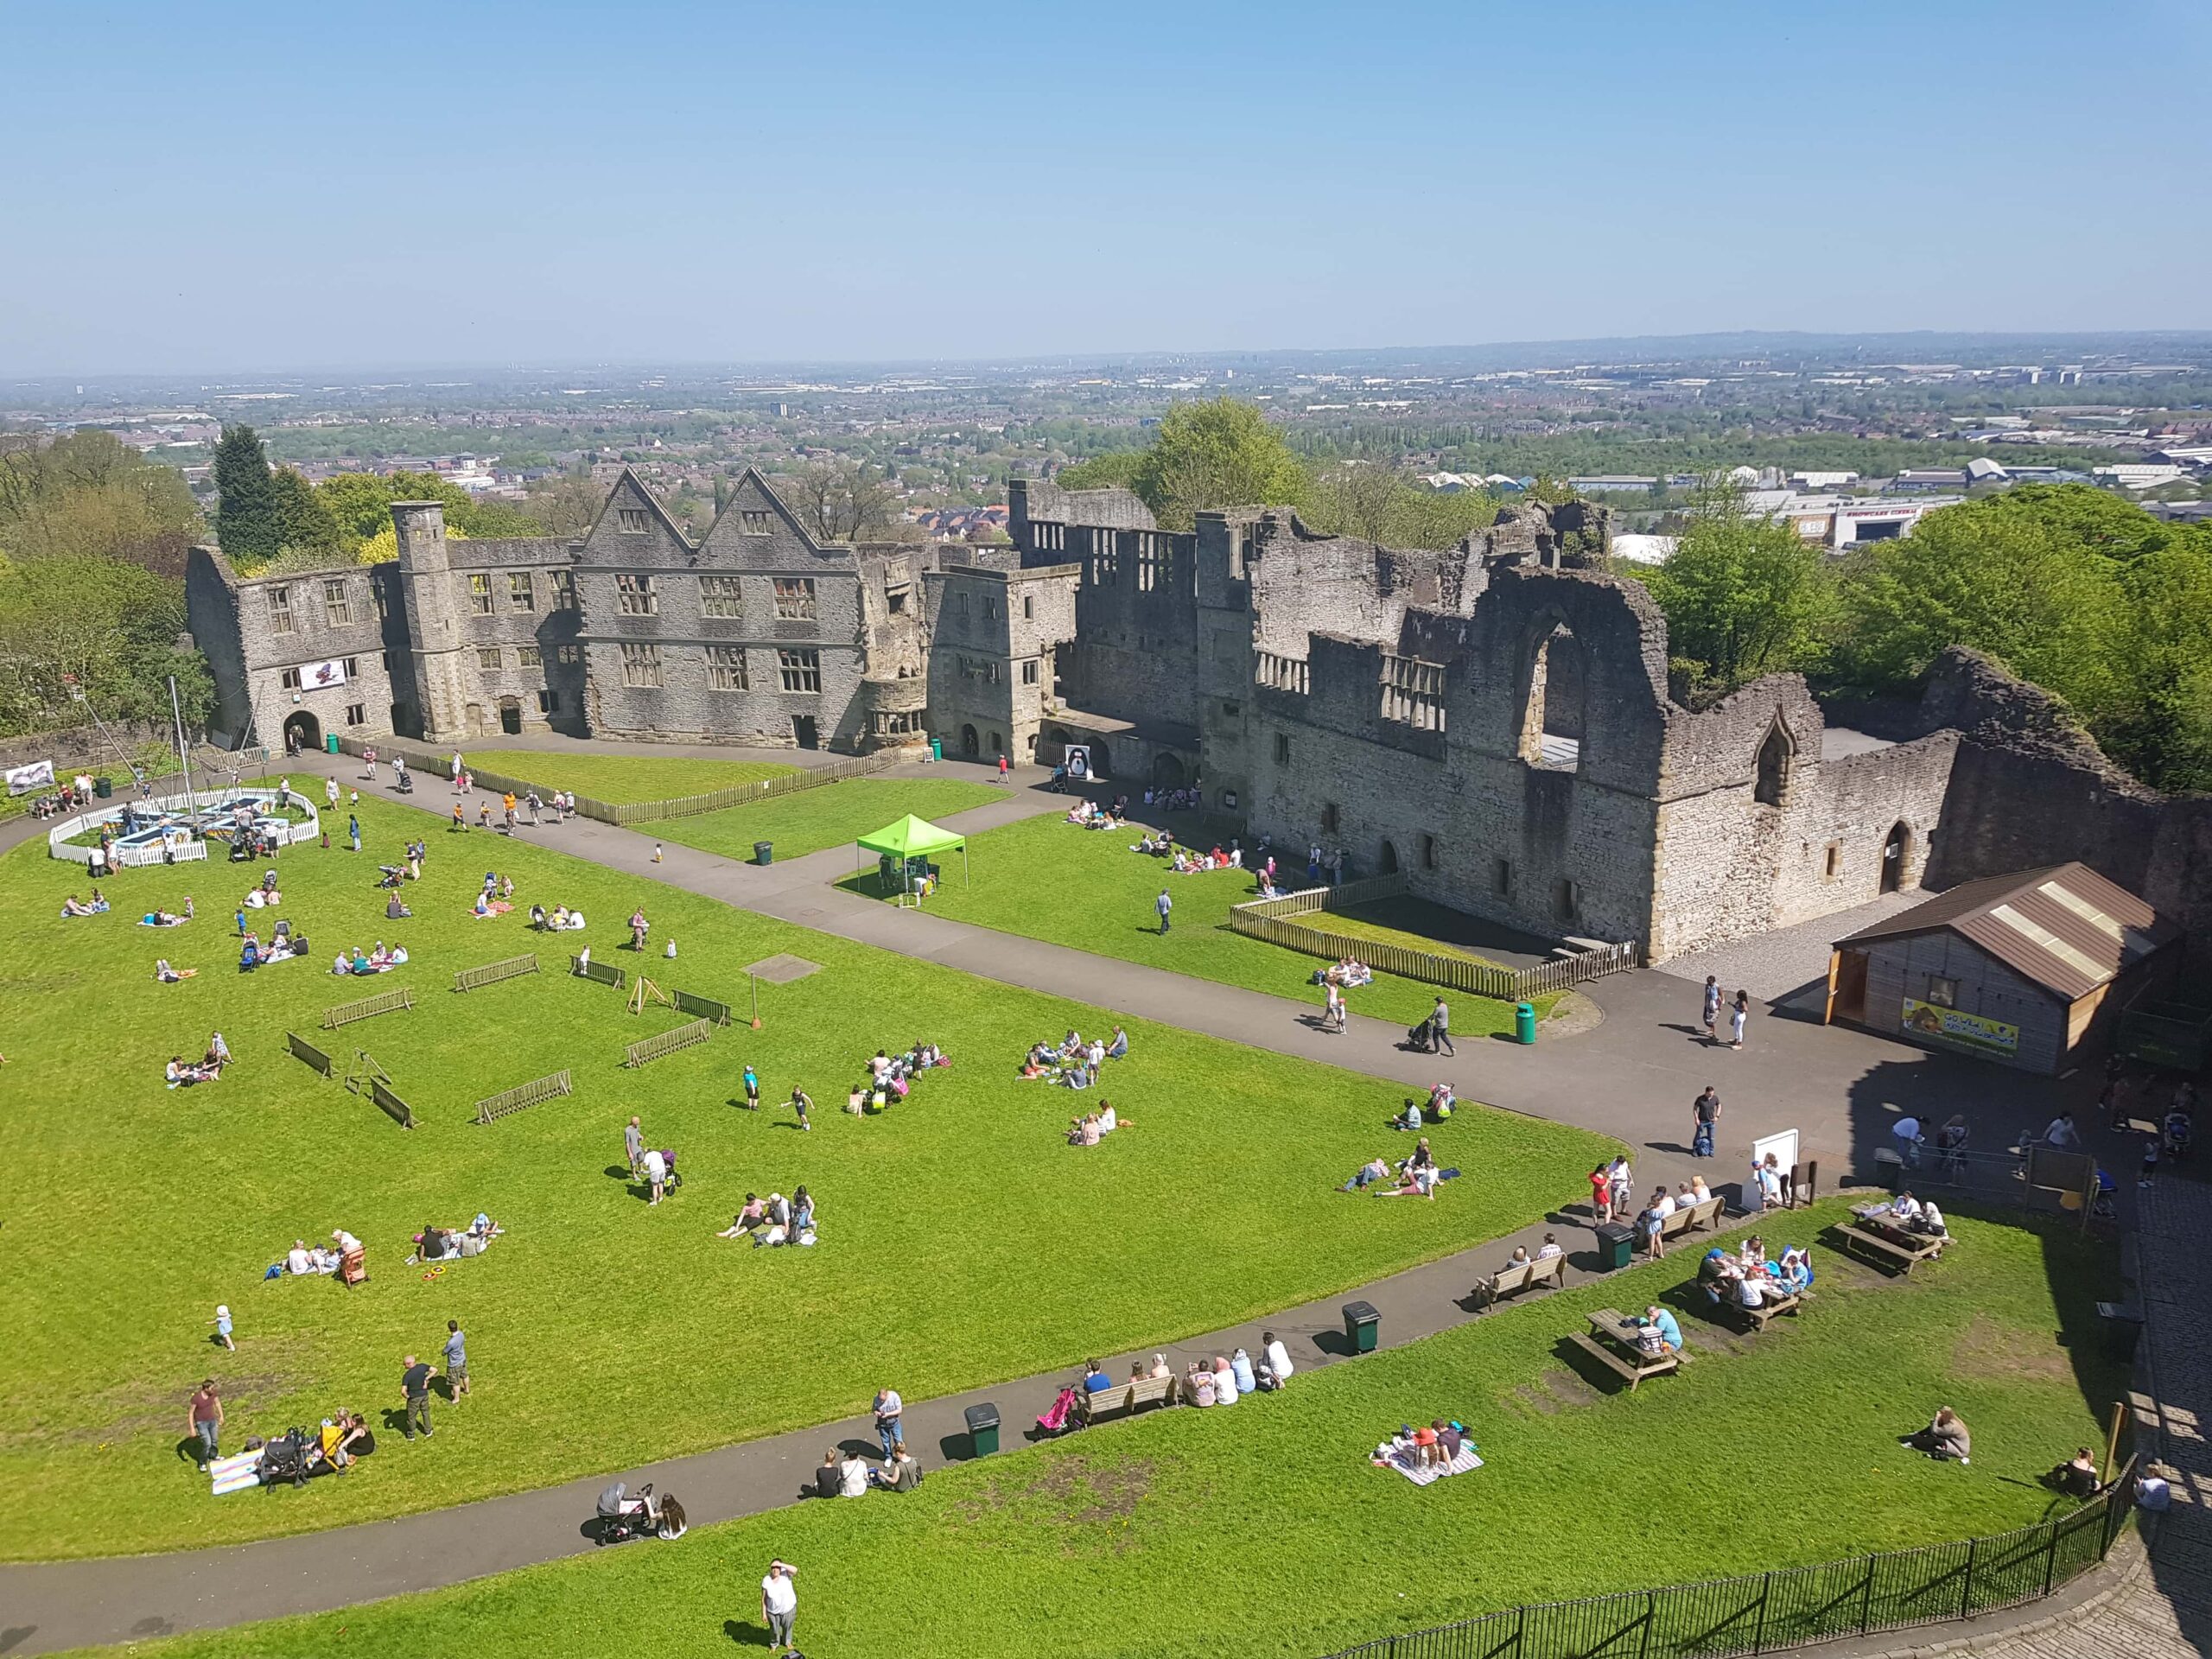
1759 1635
1521 1631
2051 1559
1966 1582
1650 1610
1867 1602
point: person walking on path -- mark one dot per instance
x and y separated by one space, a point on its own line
1738 1016
1163 905
1439 1028
1712 1008
779 1604
634 1145
1332 1009
414 1383
456 1358
888 1406
1002 769
205 1422
531 801
1704 1118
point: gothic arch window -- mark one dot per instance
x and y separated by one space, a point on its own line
1553 718
1771 780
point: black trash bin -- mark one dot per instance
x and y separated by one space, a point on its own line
1614 1242
2123 1324
104 787
1363 1326
983 1430
764 852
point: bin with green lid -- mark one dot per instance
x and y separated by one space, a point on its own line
1614 1242
1524 1022
1363 1326
983 1429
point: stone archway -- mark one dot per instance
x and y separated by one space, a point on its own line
302 732
1895 850
1166 772
1386 862
969 743
511 716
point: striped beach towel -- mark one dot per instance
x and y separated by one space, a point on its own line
1423 1474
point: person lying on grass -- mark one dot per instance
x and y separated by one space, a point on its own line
169 976
160 918
1373 1170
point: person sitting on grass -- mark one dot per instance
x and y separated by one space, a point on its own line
1083 1131
1119 1048
902 1474
158 917
829 1475
1441 1101
2077 1475
1944 1437
1076 1076
1108 1121
74 906
178 1075
1410 1117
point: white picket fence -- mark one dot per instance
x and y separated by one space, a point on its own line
171 850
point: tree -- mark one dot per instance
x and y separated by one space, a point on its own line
361 502
566 505
1743 596
842 500
89 494
1217 454
111 624
1379 503
304 525
1115 470
245 514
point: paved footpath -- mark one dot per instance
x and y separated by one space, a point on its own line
1632 1076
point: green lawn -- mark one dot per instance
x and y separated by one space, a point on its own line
832 816
1047 879
604 1333
1263 1530
620 780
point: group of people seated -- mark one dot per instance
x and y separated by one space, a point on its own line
1156 845
264 895
159 918
284 944
1436 1446
303 1259
1189 863
1073 1061
1416 1175
435 1243
1412 1113
382 960
774 1219
180 1073
1088 815
1175 800
95 906
339 1442
892 1077
1348 973
1748 1279
559 919
1088 1131
1913 1214
846 1474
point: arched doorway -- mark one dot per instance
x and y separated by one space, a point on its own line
1166 772
1552 720
969 743
1388 863
1893 855
1772 775
511 716
302 732
1098 766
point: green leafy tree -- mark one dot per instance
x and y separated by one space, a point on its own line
1743 596
110 623
2159 724
89 494
304 525
1217 454
245 512
361 504
564 506
1116 469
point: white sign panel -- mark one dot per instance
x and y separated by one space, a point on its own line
320 676
23 779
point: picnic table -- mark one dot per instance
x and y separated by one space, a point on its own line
1612 1342
1891 1241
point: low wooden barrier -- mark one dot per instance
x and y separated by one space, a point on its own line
524 1094
492 973
703 1007
391 1104
304 1050
603 973
368 1007
667 1043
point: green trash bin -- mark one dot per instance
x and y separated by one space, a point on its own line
764 852
1524 1022
104 787
330 743
937 748
983 1430
1614 1243
1363 1326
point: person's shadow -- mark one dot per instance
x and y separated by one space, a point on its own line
187 1449
747 1635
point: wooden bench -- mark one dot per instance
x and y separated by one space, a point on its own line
1609 1343
667 1043
1704 1217
391 1104
1756 1317
1125 1399
492 973
1517 1276
1888 1250
551 1087
368 1007
703 1007
304 1050
603 973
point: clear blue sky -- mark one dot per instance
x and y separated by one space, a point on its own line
237 185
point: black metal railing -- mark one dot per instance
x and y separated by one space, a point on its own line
1791 1607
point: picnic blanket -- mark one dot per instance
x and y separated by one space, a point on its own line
235 1473
1422 1475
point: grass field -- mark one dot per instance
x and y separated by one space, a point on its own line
832 816
132 1211
1261 1530
1047 879
620 779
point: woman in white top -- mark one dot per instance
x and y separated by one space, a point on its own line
1225 1382
1107 1121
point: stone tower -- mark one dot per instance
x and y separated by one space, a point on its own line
445 675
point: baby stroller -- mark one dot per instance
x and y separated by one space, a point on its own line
622 1518
1418 1037
285 1459
674 1180
406 783
391 875
2176 1134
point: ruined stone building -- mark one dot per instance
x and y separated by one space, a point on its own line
1492 721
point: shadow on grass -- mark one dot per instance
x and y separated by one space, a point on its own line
748 1636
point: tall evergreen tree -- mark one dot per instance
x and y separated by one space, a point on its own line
304 525
246 517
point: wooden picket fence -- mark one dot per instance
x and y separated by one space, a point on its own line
705 1008
304 1050
368 1007
1284 921
380 1093
668 1042
492 973
492 1107
603 973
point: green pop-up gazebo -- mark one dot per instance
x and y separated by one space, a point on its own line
913 837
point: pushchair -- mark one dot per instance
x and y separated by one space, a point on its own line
622 1518
2176 1135
391 875
405 785
285 1459
1418 1037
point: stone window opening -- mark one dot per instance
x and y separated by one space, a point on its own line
522 591
479 594
1553 718
634 595
280 610
289 679
529 657
1770 782
357 714
897 597
641 665
1329 818
337 606
795 599
633 521
1029 673
1895 846
753 521
1500 879
799 671
1283 748
1387 861
1028 606
1570 899
721 596
564 590
1428 852
1834 860
487 658
726 669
